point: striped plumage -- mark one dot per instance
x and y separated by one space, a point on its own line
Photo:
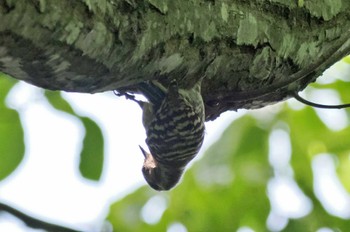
175 133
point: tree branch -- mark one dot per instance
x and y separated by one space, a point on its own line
318 105
243 48
33 222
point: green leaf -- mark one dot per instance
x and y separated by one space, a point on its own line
59 103
6 83
11 133
125 215
12 142
92 155
346 59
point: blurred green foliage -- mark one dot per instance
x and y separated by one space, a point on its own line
228 187
92 153
12 146
11 132
223 191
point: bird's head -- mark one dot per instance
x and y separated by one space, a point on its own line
158 176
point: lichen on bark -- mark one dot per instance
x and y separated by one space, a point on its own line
252 53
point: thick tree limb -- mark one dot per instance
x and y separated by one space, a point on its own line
33 222
252 53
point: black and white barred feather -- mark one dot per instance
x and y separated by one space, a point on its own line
175 133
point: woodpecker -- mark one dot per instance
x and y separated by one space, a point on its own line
174 123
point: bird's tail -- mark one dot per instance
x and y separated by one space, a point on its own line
153 91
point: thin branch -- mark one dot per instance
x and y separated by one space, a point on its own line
33 222
313 104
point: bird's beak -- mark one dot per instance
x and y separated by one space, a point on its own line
149 162
143 152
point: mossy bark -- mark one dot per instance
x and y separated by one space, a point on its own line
252 53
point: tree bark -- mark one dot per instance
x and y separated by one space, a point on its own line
252 53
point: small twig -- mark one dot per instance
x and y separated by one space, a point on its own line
33 222
306 102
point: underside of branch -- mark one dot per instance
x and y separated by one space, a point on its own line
252 53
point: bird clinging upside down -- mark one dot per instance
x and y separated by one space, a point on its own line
174 123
